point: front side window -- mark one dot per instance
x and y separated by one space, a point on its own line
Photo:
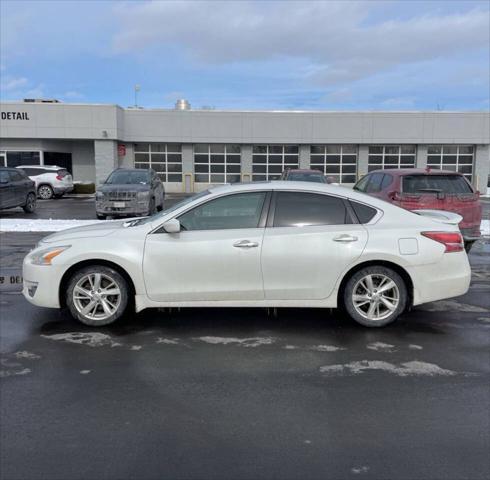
240 210
15 176
296 209
362 183
375 182
4 176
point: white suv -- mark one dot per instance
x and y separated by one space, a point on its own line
51 180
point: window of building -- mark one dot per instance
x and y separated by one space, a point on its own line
217 163
294 209
337 161
164 158
60 159
391 156
457 158
241 210
14 159
269 161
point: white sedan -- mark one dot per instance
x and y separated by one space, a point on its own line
276 244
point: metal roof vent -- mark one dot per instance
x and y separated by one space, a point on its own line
182 104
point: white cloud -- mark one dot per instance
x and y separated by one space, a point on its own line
337 38
9 83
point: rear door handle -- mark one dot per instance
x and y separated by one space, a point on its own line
345 238
245 244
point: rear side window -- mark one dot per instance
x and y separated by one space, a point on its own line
363 213
435 184
4 176
294 209
62 172
15 176
32 172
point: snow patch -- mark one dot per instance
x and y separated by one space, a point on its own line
290 347
40 225
357 470
136 347
28 355
484 319
485 228
10 373
451 305
412 346
326 348
242 342
90 339
84 372
415 368
381 347
168 341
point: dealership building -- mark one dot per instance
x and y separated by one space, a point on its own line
191 149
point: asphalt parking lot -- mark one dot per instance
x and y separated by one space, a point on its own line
243 393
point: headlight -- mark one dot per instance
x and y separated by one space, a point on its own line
143 195
45 256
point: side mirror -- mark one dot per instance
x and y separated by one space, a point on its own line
172 226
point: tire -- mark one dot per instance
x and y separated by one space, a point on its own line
45 192
101 217
82 292
30 206
368 308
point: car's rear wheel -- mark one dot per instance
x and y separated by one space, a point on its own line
30 206
375 296
97 295
45 192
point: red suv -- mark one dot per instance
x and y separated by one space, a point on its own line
418 189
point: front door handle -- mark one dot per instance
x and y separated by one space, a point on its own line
245 244
345 238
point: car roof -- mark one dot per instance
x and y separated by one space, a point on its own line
304 170
414 171
132 170
48 167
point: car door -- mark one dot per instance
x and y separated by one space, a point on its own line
20 184
6 190
309 241
215 256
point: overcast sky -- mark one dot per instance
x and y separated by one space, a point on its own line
382 55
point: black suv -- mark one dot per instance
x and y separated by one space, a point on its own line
17 190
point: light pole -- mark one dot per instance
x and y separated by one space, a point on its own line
137 88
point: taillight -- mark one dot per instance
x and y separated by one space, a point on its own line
453 241
59 177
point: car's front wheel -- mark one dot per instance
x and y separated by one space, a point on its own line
375 296
30 206
97 295
45 192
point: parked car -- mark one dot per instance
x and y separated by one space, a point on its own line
17 190
428 189
275 244
303 175
51 181
130 192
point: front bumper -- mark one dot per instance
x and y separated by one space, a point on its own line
130 209
41 284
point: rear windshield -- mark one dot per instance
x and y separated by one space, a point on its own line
435 184
62 172
307 177
124 177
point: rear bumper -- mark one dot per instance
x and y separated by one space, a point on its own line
62 190
450 277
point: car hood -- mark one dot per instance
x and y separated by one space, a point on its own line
99 229
124 187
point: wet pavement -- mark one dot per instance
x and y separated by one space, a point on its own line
245 393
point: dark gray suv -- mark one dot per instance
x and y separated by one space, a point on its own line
130 192
17 190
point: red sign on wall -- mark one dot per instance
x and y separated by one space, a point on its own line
121 150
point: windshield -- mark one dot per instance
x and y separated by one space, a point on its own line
125 177
171 209
307 177
435 184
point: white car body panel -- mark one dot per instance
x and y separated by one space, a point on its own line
50 178
203 268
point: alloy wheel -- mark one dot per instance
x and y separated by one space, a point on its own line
96 296
375 297
45 192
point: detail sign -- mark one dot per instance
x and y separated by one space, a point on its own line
14 116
